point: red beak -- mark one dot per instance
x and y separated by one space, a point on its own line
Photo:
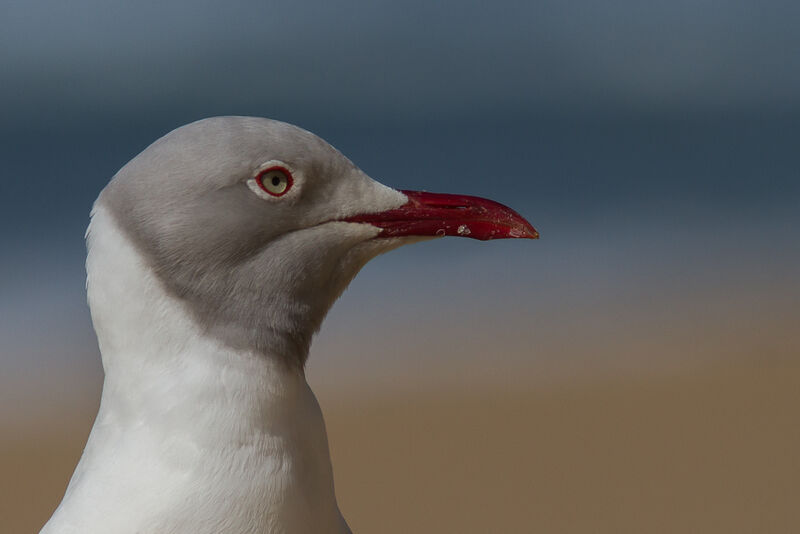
436 214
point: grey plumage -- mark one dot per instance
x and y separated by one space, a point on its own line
235 260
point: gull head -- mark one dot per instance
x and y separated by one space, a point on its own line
256 226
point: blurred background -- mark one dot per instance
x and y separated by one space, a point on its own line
637 369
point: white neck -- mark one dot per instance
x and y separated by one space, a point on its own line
191 436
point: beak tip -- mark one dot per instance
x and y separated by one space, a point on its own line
527 231
522 230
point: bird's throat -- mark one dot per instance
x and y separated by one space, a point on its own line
190 432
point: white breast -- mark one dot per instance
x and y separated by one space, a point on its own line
191 436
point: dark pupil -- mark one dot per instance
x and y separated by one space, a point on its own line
276 181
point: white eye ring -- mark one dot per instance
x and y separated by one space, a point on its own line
275 180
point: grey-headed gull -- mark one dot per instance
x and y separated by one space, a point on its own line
213 257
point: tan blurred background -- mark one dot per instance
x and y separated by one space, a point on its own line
505 441
713 452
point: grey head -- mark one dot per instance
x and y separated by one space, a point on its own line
240 219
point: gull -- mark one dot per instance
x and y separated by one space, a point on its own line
213 257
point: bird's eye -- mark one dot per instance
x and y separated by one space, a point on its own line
275 180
